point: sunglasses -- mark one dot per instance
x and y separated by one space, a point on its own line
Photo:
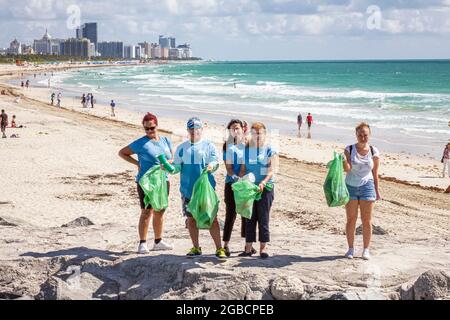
147 129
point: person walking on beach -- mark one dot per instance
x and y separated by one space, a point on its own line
260 161
299 124
88 100
147 149
446 160
22 84
83 100
191 158
233 156
92 101
3 123
113 107
361 163
27 84
309 120
52 98
58 100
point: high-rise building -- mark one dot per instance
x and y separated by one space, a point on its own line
165 53
111 49
26 49
44 45
88 31
47 45
185 51
146 49
167 42
155 51
76 48
15 47
129 52
174 53
139 52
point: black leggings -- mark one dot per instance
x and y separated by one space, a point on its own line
260 217
230 214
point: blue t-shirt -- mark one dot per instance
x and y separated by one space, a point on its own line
193 158
148 151
257 162
234 154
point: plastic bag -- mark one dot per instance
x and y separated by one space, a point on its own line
335 188
245 193
204 203
154 185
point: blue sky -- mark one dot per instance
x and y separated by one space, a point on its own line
249 29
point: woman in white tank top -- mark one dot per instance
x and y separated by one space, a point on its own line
361 164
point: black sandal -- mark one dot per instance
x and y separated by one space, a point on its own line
264 255
245 254
227 252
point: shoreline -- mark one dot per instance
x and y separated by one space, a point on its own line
402 167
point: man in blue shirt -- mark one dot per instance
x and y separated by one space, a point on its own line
190 158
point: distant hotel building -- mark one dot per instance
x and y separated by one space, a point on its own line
155 51
88 31
15 47
77 48
111 49
185 51
167 42
47 45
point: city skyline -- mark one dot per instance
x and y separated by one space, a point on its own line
250 29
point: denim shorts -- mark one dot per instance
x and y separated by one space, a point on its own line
365 192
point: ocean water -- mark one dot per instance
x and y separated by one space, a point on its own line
407 103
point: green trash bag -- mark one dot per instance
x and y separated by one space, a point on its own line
335 188
204 203
245 193
154 185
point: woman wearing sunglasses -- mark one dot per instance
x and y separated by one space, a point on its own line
147 149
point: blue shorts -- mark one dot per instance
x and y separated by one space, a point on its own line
365 192
184 206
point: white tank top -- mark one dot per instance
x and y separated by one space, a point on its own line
362 167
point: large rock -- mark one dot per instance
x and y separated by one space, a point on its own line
287 288
406 291
431 285
236 292
78 222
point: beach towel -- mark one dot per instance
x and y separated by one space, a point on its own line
154 185
334 187
204 203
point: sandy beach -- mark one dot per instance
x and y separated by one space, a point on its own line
65 166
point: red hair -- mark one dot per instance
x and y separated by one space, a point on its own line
150 117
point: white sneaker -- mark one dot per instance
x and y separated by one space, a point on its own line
366 254
350 253
143 249
161 246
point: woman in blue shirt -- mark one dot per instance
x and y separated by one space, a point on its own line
233 156
147 149
260 160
